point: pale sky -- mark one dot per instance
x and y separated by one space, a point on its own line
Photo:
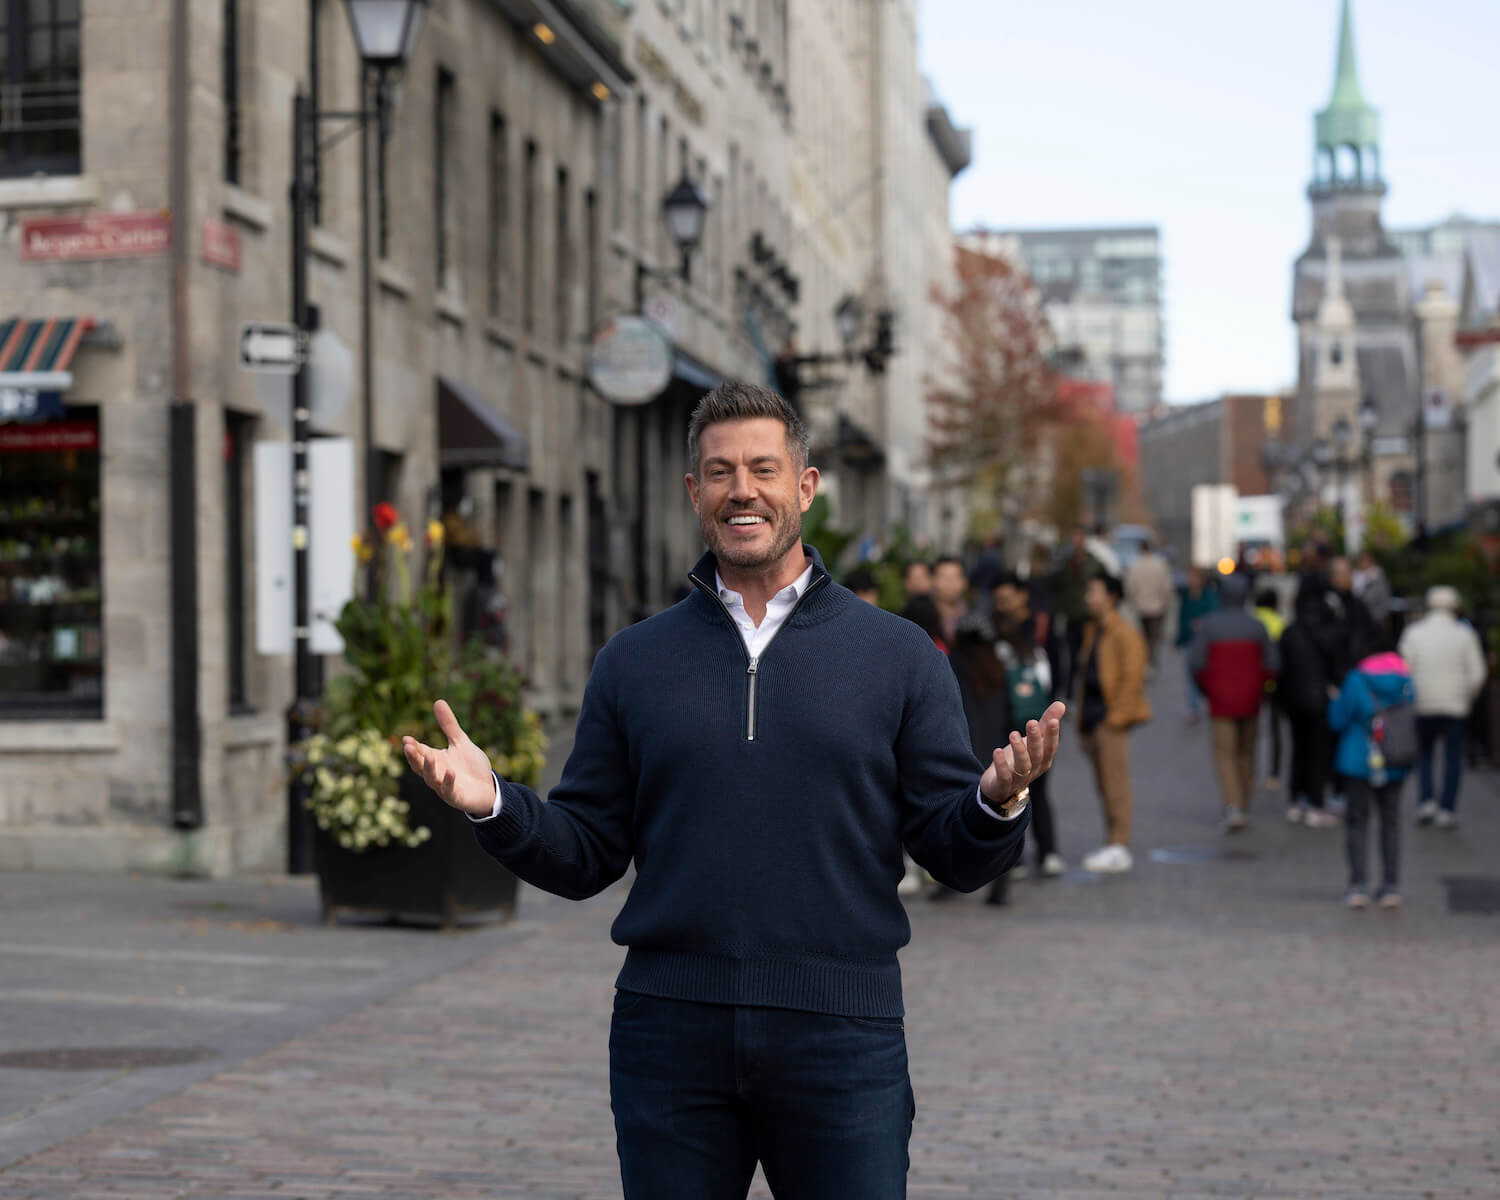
1197 116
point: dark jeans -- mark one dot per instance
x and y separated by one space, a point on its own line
1450 731
1070 679
1151 627
1312 757
1273 725
701 1092
1043 828
1362 798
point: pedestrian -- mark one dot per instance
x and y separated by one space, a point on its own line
1353 619
1448 671
1148 590
1268 613
1362 713
984 688
922 611
1308 645
1373 588
760 752
1232 658
950 591
916 579
1112 689
1031 675
862 582
1196 600
1072 612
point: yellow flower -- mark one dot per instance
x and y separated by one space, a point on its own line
363 551
434 533
399 536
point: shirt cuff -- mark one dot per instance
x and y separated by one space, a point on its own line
494 812
979 795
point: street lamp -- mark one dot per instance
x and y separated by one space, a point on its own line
385 32
685 208
847 318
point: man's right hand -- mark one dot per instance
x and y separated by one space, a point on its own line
461 773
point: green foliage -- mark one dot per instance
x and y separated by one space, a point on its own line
401 656
819 532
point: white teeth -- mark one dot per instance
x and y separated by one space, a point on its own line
747 520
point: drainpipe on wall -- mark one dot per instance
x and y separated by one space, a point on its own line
187 734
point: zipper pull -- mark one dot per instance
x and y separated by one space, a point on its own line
752 666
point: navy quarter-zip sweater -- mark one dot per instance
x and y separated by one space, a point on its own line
765 803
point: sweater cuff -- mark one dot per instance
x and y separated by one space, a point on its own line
986 826
504 827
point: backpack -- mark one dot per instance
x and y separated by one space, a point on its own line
1395 730
1029 693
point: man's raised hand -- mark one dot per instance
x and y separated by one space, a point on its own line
461 773
1017 764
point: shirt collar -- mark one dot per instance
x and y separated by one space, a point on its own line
792 592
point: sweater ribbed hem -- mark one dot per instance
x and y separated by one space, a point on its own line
843 989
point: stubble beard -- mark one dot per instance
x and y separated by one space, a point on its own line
786 526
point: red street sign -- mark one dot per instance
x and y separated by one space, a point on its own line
96 235
1476 337
221 245
58 435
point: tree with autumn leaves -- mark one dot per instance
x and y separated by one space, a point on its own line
1004 422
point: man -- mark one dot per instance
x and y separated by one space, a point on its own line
1308 647
862 583
761 751
1113 701
1072 609
1373 588
1232 659
1448 670
917 579
1148 590
1032 677
950 590
1194 602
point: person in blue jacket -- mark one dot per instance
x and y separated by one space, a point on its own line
1378 681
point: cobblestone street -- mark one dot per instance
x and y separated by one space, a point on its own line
1214 1024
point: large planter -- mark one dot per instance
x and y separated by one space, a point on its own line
438 880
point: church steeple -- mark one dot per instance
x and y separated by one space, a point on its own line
1348 130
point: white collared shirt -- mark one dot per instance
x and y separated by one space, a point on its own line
778 609
757 638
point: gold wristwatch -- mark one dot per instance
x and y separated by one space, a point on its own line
1012 807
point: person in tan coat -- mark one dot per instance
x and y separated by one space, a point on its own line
1150 591
1112 701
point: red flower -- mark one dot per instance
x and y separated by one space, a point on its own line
385 516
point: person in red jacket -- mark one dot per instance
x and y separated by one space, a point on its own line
1232 659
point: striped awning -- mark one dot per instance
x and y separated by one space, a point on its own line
36 352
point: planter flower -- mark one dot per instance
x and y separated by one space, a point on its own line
384 841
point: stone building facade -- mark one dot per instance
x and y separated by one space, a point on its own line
515 204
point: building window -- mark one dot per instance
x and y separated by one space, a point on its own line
239 440
499 230
441 165
638 180
591 252
39 87
231 91
528 239
51 627
563 292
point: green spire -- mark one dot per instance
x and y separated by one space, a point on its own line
1346 93
1350 119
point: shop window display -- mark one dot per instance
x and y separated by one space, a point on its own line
51 616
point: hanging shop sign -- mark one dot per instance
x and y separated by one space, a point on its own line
96 235
630 360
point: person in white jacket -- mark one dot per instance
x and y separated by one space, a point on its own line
1448 669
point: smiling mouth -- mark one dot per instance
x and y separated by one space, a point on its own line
746 521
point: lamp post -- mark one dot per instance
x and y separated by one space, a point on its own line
685 210
385 32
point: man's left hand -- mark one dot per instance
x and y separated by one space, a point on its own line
1017 764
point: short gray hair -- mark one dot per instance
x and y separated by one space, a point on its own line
735 401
